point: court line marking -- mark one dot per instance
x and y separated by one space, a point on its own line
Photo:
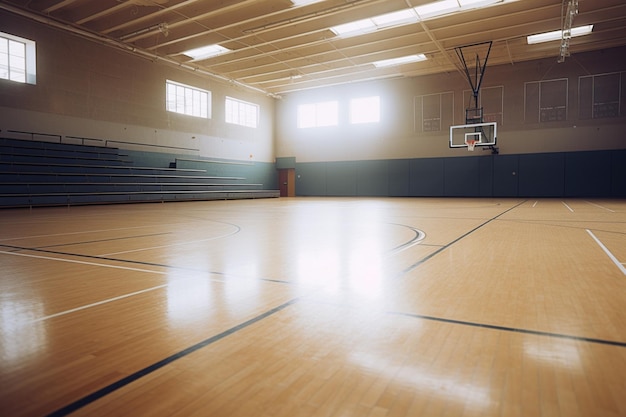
128 268
442 248
237 230
130 261
616 261
72 233
86 242
96 395
86 306
61 313
599 206
511 329
536 202
419 237
568 207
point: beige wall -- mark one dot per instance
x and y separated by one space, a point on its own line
87 89
90 90
397 136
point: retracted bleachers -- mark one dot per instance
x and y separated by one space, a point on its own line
41 173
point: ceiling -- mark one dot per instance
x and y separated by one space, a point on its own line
278 47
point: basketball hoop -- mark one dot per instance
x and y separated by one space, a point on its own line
470 144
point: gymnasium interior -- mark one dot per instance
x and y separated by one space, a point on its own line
313 208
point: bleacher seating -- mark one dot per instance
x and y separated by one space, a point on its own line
40 173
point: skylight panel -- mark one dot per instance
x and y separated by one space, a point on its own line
558 34
355 28
399 61
303 2
407 16
400 17
477 3
437 8
205 51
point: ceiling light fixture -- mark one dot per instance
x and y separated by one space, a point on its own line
206 51
399 61
413 15
557 35
303 2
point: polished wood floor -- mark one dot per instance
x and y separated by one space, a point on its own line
315 307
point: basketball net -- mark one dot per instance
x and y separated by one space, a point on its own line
470 145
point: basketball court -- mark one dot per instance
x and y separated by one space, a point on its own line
315 307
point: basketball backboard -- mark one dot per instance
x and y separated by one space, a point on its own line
478 134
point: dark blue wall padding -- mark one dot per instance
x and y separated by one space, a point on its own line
399 183
505 175
311 178
372 178
541 175
559 174
588 174
618 173
485 180
426 177
344 178
462 177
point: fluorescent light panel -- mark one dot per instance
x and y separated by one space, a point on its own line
406 16
401 17
558 34
358 27
205 51
443 7
399 61
303 2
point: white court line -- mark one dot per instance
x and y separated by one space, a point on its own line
568 207
73 310
608 252
189 242
94 264
81 262
536 202
599 206
72 233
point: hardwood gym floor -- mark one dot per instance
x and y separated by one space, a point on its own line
315 307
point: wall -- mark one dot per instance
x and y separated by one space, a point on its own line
556 174
527 122
561 132
90 90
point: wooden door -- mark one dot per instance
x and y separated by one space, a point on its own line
287 182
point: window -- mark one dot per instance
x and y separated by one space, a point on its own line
188 100
602 95
17 59
546 101
242 113
433 112
318 114
365 110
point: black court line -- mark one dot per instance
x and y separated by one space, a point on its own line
88 399
513 329
126 261
101 240
441 249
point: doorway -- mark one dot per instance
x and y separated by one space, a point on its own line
287 182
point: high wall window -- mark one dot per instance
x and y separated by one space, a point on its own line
365 110
184 99
602 95
17 59
241 112
545 101
318 114
433 112
490 100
